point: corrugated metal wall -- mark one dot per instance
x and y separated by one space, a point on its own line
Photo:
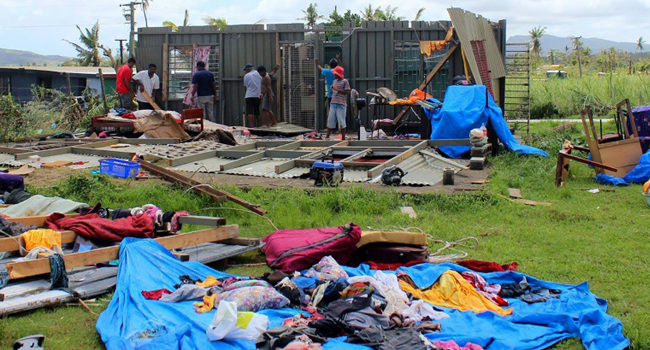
367 53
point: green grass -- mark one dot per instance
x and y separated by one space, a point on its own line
599 238
567 97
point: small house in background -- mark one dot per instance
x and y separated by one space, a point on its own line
19 80
556 74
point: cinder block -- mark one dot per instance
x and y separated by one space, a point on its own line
478 151
477 163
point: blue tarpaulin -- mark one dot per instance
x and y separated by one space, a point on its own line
131 322
466 108
640 174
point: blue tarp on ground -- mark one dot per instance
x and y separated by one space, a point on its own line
466 108
131 322
640 174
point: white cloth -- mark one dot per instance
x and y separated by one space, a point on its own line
38 205
150 84
420 309
388 286
253 84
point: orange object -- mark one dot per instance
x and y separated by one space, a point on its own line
418 95
431 46
41 238
646 186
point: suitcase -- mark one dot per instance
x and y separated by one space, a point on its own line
390 253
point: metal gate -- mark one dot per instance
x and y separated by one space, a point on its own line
299 84
517 98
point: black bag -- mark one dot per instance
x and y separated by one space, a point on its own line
390 253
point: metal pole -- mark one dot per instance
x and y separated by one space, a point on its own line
132 35
121 41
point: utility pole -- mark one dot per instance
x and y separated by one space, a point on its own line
576 44
129 15
121 50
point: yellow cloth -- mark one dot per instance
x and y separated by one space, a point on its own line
428 47
207 305
453 291
208 282
41 238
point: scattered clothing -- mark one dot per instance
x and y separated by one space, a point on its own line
14 228
17 195
487 266
101 230
41 238
38 205
490 291
525 292
281 337
392 339
155 294
420 310
185 292
451 345
429 47
382 266
453 291
247 299
327 269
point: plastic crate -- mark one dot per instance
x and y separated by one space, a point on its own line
119 167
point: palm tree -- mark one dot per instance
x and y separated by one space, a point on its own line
311 15
88 49
145 7
389 14
535 38
370 14
639 43
419 14
186 22
219 22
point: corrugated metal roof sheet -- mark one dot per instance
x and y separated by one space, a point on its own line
263 168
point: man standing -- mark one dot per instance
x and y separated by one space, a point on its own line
148 82
253 84
267 92
123 84
203 83
338 107
329 79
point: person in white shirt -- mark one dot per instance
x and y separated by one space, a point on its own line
253 84
149 82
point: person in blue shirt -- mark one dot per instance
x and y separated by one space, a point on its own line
203 81
329 78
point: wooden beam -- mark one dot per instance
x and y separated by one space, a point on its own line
429 77
442 159
242 161
358 155
44 153
150 100
192 158
372 173
202 220
11 244
35 220
42 266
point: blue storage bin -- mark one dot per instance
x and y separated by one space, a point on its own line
119 167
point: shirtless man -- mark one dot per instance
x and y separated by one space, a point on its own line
267 92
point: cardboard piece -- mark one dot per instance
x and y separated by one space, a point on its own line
56 164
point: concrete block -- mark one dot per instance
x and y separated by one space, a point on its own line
477 163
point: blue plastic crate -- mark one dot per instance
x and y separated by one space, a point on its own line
118 167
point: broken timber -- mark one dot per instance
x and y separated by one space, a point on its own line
429 77
218 195
42 266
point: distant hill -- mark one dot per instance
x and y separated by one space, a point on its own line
551 42
9 57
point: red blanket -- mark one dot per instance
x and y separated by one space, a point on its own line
487 266
102 230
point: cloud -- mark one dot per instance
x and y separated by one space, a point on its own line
39 26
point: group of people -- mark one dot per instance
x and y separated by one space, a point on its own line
146 81
259 92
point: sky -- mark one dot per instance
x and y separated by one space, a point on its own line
41 26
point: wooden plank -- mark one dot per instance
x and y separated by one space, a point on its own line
372 173
11 244
35 220
428 79
165 71
202 220
242 161
515 193
150 100
42 266
44 153
192 158
443 159
56 164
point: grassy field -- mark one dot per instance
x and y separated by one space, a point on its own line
599 238
560 98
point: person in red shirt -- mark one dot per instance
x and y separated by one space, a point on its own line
123 86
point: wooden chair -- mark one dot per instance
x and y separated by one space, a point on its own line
622 151
192 114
